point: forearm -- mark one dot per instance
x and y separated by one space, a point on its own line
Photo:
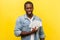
24 33
42 38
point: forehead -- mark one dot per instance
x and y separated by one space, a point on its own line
28 5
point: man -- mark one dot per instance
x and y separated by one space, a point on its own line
22 25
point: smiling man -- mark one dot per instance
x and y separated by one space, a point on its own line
22 25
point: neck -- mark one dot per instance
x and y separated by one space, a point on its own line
30 16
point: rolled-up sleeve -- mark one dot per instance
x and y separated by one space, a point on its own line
41 33
18 27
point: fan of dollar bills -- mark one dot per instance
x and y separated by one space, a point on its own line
36 24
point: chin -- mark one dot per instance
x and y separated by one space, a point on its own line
29 13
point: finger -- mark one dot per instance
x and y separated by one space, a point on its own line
32 28
35 27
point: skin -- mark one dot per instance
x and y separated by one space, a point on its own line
29 10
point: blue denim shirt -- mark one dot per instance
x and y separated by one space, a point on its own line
22 24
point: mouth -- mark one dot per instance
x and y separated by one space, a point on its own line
29 12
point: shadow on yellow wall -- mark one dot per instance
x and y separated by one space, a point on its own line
47 10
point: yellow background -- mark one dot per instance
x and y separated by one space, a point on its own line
47 10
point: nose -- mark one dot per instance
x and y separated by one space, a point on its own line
29 9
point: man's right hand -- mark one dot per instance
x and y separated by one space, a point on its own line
24 33
34 30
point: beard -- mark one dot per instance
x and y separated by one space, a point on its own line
31 14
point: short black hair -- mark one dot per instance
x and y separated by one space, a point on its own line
28 2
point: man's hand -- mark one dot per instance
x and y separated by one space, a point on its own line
34 30
24 33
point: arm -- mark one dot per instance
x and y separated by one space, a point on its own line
18 28
23 33
42 38
41 34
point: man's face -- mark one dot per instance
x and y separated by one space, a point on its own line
29 9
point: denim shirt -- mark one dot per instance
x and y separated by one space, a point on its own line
22 24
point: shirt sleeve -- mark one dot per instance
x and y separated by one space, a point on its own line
41 32
18 27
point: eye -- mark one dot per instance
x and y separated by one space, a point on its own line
27 8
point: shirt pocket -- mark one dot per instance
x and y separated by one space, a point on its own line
26 29
25 26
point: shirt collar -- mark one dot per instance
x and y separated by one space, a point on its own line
26 17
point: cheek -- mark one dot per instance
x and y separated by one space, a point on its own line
26 10
31 9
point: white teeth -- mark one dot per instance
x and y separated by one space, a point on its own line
29 12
